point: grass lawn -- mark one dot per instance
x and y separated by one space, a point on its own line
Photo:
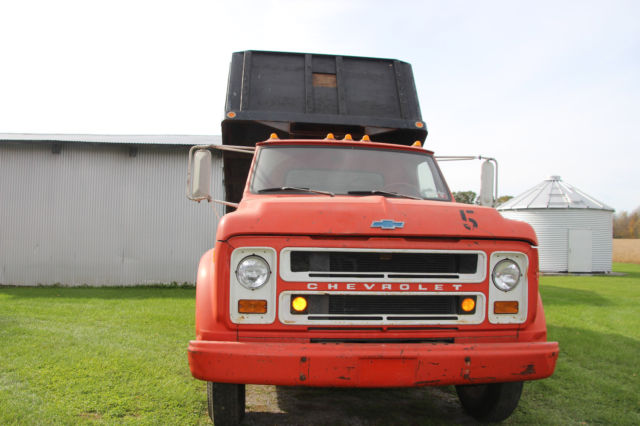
118 355
70 355
597 378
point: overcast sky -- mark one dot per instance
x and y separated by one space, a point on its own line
545 87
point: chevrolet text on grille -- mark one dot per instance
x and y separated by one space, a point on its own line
383 286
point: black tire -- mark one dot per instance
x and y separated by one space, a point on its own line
225 403
492 402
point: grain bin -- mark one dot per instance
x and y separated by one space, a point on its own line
574 229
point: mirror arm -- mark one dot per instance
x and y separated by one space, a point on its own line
474 157
225 203
233 148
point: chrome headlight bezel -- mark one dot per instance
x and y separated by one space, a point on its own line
253 272
506 275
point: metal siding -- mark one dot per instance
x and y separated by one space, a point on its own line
95 215
188 140
552 227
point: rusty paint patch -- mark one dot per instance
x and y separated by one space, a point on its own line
466 374
531 369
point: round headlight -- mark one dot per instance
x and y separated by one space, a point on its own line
253 272
506 275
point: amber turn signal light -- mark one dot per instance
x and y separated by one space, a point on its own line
510 307
249 306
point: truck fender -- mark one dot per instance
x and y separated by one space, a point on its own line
205 292
537 331
541 322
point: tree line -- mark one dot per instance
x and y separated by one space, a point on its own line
627 225
470 197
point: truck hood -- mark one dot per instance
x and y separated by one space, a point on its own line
368 216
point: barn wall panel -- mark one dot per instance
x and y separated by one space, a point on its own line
98 215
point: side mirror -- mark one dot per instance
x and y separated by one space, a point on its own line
201 187
487 179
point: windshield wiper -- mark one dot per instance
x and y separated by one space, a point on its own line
387 193
293 188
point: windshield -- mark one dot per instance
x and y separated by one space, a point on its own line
347 171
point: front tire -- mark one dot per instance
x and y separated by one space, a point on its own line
492 402
225 403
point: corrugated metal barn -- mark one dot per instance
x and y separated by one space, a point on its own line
101 210
574 230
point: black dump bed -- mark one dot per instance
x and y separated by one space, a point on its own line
302 95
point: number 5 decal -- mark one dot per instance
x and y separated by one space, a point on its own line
468 221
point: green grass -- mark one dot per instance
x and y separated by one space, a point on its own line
71 355
597 378
118 355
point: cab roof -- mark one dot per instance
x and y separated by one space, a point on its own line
344 143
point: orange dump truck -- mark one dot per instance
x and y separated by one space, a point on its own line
346 261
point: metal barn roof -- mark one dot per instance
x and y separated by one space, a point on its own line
114 139
553 193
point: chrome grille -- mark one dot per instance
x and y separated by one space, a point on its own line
375 264
353 304
354 308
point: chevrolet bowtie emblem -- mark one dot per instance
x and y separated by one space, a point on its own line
387 224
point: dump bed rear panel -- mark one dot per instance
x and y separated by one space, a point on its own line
302 95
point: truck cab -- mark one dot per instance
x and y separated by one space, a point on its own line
347 263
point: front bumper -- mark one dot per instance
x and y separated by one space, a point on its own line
370 365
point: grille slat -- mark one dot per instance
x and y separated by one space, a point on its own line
351 304
389 305
337 262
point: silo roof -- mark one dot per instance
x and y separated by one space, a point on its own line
553 193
